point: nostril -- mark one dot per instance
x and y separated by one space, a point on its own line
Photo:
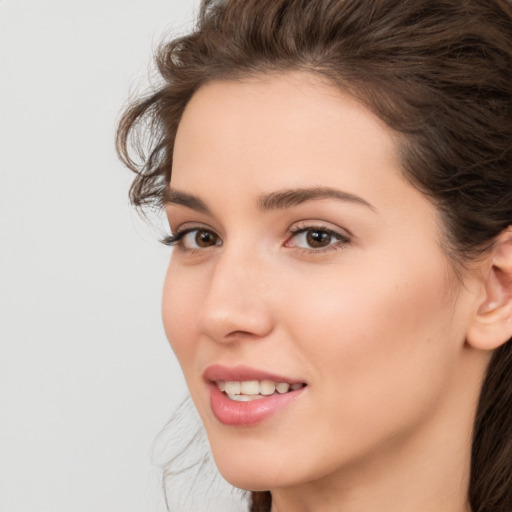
232 321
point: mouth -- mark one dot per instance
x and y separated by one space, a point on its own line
249 390
241 396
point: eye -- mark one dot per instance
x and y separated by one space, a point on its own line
316 238
199 239
193 239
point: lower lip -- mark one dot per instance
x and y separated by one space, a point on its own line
245 414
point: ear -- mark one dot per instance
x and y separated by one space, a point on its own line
491 325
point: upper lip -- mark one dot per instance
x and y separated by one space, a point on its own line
216 372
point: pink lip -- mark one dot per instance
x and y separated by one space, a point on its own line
218 372
245 414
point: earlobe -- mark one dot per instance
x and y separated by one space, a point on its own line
491 325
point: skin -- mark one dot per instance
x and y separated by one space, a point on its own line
375 323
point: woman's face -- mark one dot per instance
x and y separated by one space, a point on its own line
305 259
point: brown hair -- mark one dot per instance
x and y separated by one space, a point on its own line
439 73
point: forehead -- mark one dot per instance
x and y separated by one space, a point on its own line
280 123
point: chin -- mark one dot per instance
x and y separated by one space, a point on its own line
240 471
244 469
251 480
259 469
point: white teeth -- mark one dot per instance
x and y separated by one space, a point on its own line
244 398
232 388
267 387
283 387
247 390
250 387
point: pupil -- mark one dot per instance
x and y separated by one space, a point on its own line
318 238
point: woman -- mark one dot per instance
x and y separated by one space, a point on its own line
337 176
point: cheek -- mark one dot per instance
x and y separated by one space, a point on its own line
178 312
358 306
379 344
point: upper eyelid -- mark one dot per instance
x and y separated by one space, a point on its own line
313 228
306 225
191 226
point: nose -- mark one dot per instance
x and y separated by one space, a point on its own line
237 304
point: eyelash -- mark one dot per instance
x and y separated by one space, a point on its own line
342 240
176 240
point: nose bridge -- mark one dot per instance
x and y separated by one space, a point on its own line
237 301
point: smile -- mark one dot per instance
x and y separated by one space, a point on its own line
241 396
248 390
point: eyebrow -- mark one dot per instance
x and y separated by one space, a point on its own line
271 201
173 196
293 197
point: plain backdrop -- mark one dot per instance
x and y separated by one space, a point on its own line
87 376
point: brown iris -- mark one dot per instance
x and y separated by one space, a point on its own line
318 238
205 238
